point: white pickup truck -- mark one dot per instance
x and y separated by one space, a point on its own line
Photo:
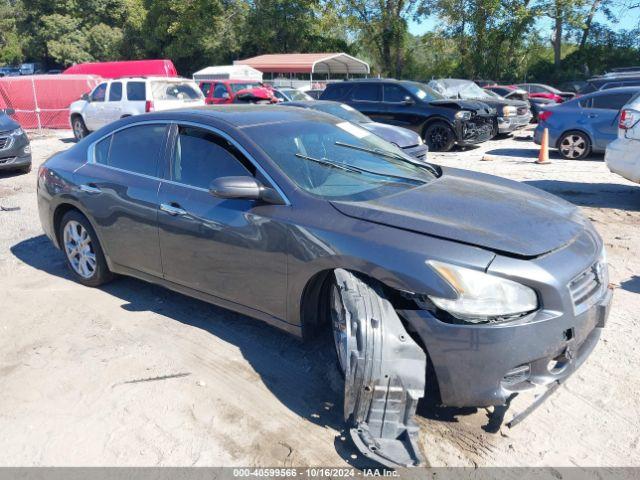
623 154
123 97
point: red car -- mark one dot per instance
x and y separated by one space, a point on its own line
224 91
539 90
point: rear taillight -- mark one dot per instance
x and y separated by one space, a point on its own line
628 119
544 115
148 106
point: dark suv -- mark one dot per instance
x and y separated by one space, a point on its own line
442 122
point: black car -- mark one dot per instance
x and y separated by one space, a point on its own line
610 80
536 104
441 122
512 114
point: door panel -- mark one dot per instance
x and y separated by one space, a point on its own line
230 248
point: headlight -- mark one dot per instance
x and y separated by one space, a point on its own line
482 297
16 133
463 115
509 111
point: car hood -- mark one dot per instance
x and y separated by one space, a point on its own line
480 108
402 137
7 123
501 215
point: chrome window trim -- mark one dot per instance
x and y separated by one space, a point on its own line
92 159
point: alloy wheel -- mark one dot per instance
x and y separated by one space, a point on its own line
78 247
439 137
78 131
341 328
573 146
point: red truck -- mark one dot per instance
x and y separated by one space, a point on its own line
225 91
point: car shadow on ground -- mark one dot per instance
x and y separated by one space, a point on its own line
596 195
303 376
631 285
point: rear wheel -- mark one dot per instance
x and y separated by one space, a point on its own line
79 128
574 145
83 251
439 137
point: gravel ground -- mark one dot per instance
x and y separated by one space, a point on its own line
132 374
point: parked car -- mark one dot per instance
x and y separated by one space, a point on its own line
31 68
291 95
15 149
585 124
514 93
255 95
312 224
539 90
224 91
9 71
622 154
124 97
512 114
614 80
409 141
441 122
54 71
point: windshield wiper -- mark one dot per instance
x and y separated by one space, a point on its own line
354 169
383 153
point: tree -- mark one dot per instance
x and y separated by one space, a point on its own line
10 45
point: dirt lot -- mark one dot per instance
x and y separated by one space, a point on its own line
132 374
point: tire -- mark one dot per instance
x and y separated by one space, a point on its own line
439 137
574 145
88 265
25 169
79 128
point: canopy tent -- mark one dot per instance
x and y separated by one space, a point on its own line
310 63
228 72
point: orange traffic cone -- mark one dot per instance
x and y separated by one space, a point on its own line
543 156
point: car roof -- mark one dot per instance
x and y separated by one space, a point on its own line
631 89
230 80
243 115
368 80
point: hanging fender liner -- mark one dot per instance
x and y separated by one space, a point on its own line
384 377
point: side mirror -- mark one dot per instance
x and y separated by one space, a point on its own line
245 188
85 97
408 100
9 111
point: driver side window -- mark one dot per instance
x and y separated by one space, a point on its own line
200 156
99 93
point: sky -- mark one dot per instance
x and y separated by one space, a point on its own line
628 19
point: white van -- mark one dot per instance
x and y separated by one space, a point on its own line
123 97
623 154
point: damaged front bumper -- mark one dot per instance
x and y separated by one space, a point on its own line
483 365
478 129
511 124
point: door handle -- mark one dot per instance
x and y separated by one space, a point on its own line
90 189
172 209
593 115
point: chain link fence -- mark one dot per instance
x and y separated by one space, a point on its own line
41 102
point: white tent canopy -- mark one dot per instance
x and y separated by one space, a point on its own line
228 72
311 63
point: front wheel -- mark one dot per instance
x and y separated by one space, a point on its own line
574 146
79 128
439 137
82 249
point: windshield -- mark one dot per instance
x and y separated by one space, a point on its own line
422 91
236 87
328 159
297 95
459 89
342 111
175 91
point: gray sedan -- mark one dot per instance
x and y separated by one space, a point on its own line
15 150
406 139
312 224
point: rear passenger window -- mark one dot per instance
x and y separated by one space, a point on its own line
115 92
206 88
136 91
336 91
134 149
613 101
201 156
368 92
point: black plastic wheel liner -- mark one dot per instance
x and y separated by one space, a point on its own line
385 377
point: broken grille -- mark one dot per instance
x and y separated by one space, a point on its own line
585 287
523 110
